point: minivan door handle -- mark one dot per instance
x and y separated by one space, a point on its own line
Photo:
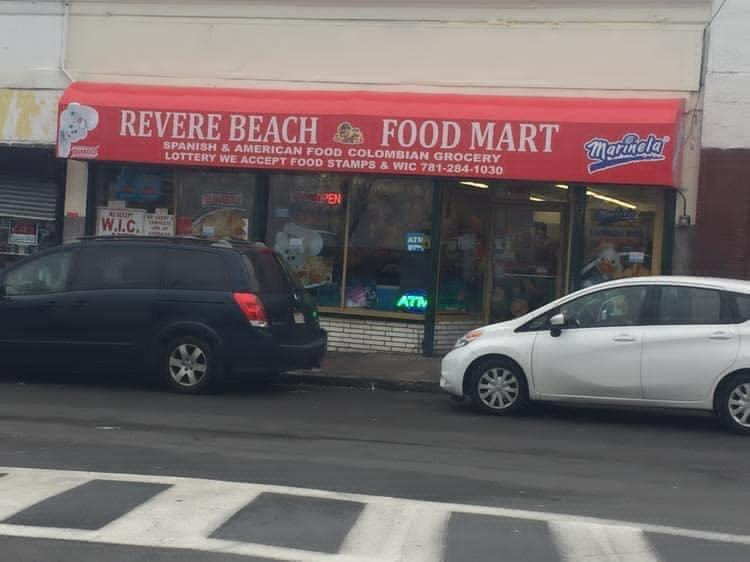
720 336
625 338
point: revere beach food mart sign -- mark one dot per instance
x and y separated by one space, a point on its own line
553 139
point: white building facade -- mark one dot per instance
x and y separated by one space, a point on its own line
400 259
31 82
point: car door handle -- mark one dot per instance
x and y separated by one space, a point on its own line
79 304
720 336
623 338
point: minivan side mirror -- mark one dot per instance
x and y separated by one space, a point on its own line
556 324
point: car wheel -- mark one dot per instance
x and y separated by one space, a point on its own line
734 403
188 364
498 386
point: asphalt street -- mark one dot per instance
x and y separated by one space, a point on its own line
129 472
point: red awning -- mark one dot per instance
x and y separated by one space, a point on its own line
634 141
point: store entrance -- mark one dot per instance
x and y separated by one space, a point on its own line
529 243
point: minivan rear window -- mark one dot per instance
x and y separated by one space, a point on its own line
269 272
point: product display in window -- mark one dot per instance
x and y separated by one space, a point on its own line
216 205
389 252
135 201
620 226
306 226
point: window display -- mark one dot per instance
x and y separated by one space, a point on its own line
389 253
215 205
620 227
306 217
134 201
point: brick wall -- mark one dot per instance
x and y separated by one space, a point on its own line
721 245
447 332
365 335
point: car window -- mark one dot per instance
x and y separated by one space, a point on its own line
689 305
743 307
196 270
269 271
622 306
541 322
112 267
47 274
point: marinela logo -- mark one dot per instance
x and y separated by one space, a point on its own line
606 154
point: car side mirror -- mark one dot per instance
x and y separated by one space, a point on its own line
556 324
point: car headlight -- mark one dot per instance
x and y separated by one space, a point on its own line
467 338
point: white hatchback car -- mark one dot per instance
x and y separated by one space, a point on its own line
679 342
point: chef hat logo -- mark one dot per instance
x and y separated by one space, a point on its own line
76 121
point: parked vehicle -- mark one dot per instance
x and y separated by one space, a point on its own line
188 309
679 342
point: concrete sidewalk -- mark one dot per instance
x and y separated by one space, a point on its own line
391 371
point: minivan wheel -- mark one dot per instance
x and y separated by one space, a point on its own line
189 364
734 403
498 386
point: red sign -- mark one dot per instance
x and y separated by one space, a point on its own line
232 199
22 233
552 139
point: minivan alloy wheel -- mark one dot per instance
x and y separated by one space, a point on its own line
188 364
498 388
739 404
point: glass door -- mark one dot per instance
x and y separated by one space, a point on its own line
529 244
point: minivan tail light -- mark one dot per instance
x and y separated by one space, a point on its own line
253 309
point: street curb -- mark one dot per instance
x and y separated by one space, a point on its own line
371 383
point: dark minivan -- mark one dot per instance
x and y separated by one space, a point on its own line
191 309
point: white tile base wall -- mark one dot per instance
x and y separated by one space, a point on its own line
360 335
447 332
368 335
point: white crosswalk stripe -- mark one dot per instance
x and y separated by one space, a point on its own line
579 542
188 512
21 489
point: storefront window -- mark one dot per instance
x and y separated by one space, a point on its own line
623 233
306 217
464 249
529 222
135 201
215 205
388 263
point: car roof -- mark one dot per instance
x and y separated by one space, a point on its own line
738 285
184 241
